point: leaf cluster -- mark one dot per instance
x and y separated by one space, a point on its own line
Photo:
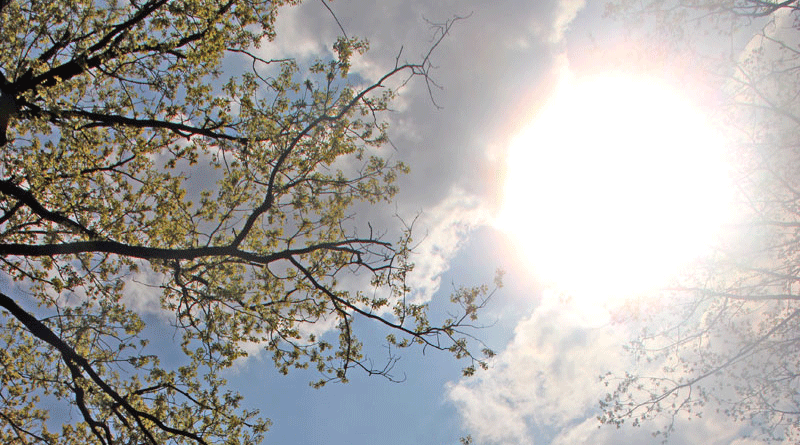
137 153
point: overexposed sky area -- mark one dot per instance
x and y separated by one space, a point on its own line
568 239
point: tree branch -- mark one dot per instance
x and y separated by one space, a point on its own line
79 365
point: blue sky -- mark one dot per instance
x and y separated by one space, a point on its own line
498 70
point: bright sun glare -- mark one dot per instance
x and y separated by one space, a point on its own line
617 183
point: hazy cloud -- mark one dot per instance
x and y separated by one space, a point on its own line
565 13
711 430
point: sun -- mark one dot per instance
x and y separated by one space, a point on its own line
617 183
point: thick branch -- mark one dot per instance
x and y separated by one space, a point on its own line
79 365
82 63
157 253
111 120
26 197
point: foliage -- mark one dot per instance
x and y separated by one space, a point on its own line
734 347
133 155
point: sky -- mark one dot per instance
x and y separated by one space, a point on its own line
504 71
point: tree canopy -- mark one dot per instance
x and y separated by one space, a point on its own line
110 107
732 346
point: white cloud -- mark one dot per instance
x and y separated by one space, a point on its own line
299 34
547 377
441 232
545 386
143 292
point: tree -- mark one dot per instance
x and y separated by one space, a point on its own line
112 105
732 345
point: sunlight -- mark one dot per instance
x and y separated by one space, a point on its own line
617 183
